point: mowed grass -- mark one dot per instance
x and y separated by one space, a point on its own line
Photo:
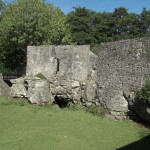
29 127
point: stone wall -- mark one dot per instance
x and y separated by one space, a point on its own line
68 62
123 67
75 73
70 72
4 88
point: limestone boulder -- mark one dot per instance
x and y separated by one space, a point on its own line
36 90
18 88
118 103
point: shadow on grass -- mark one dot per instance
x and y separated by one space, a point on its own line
143 144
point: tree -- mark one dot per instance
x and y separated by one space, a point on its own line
144 93
2 6
102 25
132 24
120 22
145 22
30 22
80 23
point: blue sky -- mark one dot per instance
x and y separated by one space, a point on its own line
99 5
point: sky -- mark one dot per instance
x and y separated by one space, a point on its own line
99 5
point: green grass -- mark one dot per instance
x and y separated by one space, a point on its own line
41 76
30 127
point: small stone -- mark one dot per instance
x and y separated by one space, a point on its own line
88 104
75 84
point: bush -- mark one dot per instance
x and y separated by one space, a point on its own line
3 69
144 93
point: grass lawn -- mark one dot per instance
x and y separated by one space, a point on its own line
28 127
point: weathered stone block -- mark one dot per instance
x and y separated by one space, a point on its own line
4 88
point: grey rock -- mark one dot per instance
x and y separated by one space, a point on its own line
118 115
38 91
75 84
118 103
88 104
76 94
4 87
131 98
97 104
33 88
90 90
18 88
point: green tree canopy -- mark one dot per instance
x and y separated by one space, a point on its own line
2 6
90 27
132 26
125 25
102 25
80 22
30 22
145 22
120 21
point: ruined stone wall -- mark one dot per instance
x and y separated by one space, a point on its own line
123 67
68 62
75 73
70 72
4 88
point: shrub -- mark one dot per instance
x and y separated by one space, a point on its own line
3 69
144 93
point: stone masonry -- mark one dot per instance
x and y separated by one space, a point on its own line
70 71
123 67
109 79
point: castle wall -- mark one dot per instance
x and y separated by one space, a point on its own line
70 70
74 72
123 67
